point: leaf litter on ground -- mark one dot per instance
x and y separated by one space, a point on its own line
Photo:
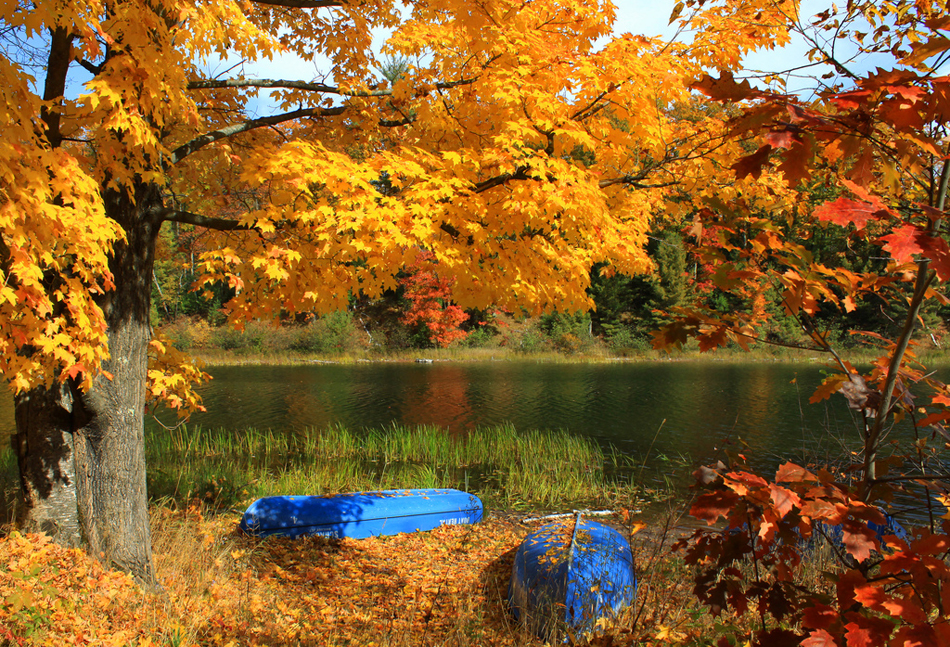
222 588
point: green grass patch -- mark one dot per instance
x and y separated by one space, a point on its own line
505 468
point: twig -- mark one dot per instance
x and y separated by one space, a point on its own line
589 513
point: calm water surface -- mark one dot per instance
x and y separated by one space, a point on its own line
646 410
643 409
649 411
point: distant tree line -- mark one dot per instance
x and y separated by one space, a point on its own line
418 313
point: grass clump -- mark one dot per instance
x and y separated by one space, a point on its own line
507 469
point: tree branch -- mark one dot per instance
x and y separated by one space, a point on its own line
634 181
924 279
92 68
302 4
201 141
921 477
213 84
57 66
189 218
520 174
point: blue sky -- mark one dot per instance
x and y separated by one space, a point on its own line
647 17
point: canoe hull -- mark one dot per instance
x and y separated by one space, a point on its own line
562 585
361 514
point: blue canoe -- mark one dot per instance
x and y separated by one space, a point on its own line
835 534
360 514
569 574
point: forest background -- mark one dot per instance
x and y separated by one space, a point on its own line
419 313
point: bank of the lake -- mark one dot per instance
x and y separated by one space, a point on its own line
509 470
644 410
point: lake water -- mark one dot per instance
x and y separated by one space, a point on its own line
646 410
692 411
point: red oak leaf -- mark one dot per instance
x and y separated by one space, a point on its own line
783 499
870 596
938 252
830 386
820 617
851 100
780 139
752 164
725 88
709 507
858 539
905 608
867 632
796 163
819 638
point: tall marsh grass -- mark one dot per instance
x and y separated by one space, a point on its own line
535 469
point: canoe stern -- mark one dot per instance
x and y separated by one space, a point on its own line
565 580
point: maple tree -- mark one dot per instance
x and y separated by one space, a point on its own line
864 152
427 293
521 146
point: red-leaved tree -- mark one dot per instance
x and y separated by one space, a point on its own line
428 294
867 153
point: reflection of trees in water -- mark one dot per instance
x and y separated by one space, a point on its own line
703 404
310 408
440 399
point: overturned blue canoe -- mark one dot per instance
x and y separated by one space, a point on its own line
835 534
361 514
569 574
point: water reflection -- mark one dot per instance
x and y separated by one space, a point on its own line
669 408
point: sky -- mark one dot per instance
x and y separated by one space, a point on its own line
646 17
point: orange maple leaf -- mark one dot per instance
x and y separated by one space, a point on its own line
844 212
903 243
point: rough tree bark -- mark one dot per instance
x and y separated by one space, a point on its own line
44 447
82 455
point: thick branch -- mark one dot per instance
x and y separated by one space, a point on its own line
57 66
201 141
90 67
520 174
189 218
213 84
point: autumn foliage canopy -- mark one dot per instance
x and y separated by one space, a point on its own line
522 145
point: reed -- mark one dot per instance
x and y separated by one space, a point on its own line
534 469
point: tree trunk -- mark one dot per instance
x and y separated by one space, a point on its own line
44 447
82 455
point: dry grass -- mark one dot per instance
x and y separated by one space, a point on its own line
445 587
220 588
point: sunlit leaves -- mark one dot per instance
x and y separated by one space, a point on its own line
56 595
224 589
429 295
172 378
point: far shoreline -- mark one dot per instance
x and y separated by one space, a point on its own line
220 357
